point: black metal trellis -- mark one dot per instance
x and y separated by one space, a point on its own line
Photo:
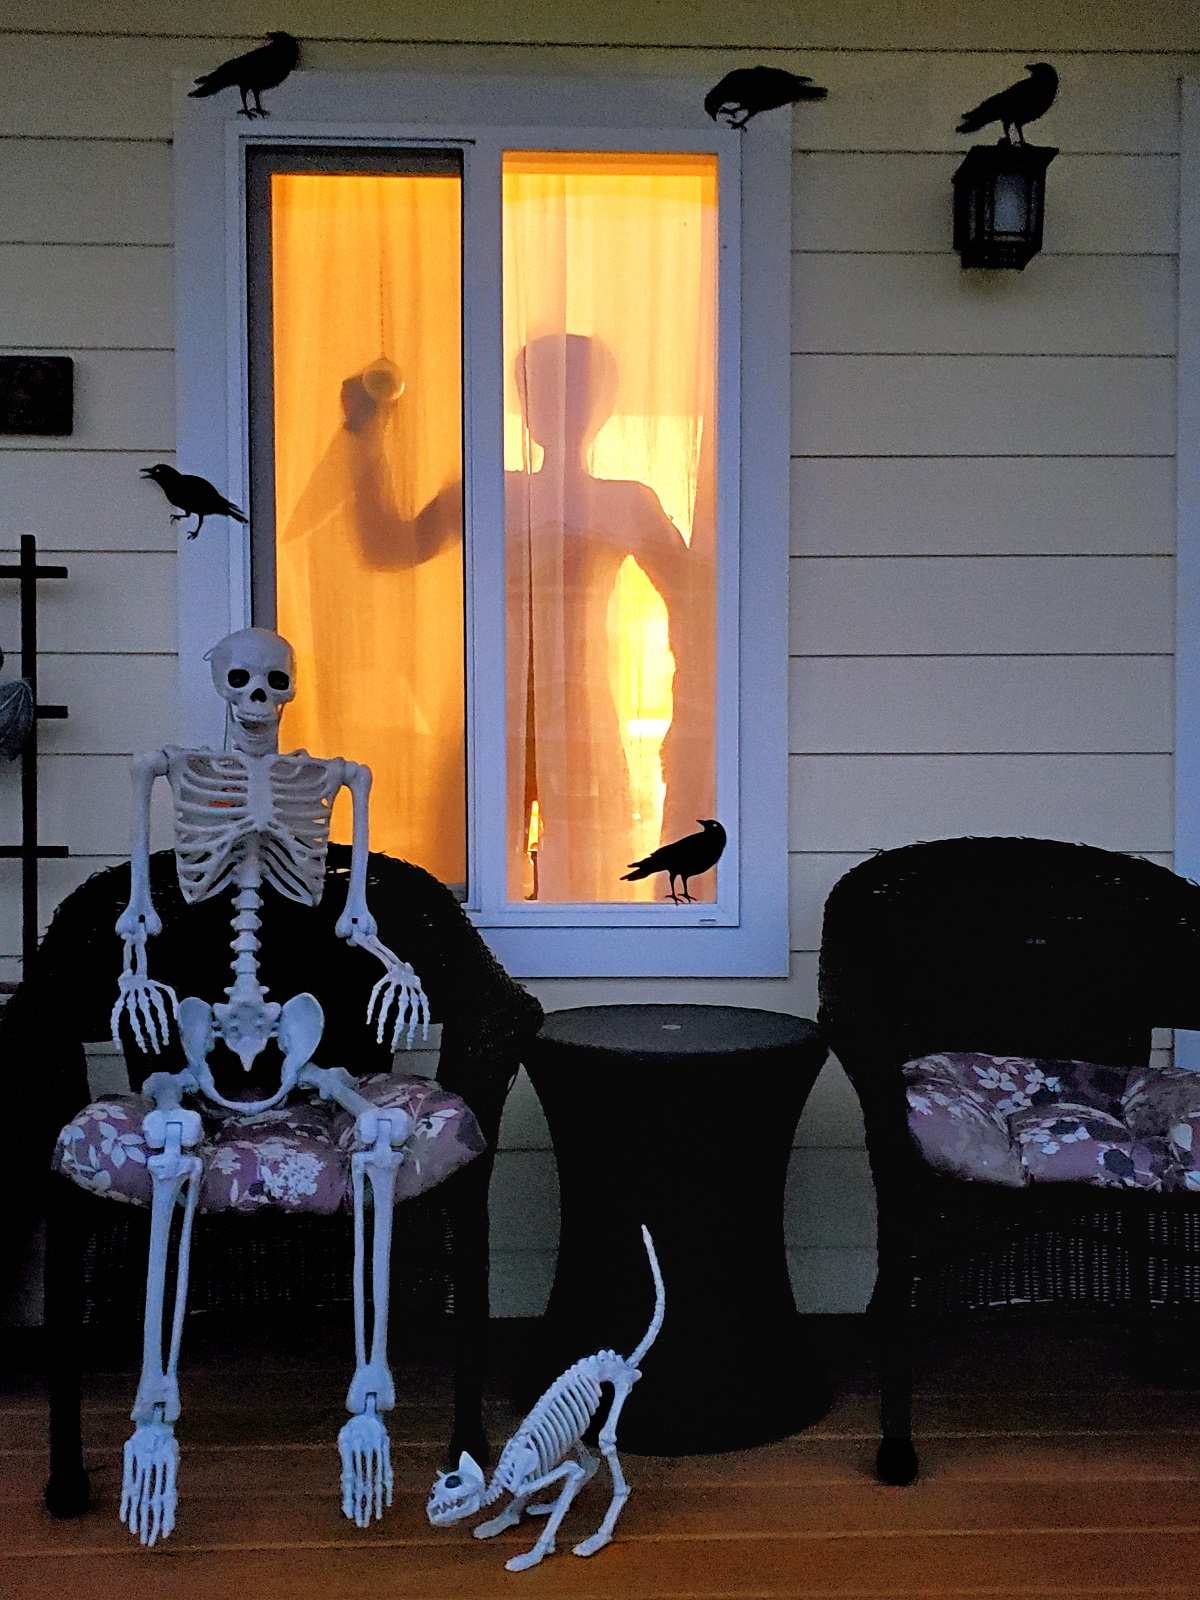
29 852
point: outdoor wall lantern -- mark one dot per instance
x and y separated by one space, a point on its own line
1000 189
999 200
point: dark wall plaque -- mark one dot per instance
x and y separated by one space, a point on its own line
37 394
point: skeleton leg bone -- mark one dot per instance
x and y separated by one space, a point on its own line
575 1477
608 1446
363 1442
151 1454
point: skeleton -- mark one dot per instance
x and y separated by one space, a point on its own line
548 1447
246 819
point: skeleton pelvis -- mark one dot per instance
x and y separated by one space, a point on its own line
246 1027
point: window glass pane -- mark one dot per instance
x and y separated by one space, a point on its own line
367 369
610 323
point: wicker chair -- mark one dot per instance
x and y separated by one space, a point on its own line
95 1262
1018 947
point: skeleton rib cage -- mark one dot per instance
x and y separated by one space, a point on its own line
222 801
556 1424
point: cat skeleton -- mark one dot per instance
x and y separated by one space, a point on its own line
538 1453
245 819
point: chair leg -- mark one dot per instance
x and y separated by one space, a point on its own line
469 1272
896 1459
68 1491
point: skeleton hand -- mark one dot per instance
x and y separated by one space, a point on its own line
143 1000
399 986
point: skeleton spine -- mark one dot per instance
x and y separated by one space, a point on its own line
247 903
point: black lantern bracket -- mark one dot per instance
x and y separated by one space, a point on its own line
999 202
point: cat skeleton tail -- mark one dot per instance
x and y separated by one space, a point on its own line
660 1302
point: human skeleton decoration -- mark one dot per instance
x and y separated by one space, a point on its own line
249 818
540 1452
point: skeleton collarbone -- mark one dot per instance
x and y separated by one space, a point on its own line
231 809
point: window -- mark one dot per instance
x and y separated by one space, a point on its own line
509 404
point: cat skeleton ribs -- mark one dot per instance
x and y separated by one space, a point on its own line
248 819
539 1453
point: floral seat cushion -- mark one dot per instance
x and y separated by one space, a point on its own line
295 1156
1014 1120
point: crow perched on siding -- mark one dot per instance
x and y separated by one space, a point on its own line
684 858
744 92
263 68
1020 103
194 496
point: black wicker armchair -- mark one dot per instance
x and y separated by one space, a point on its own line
1014 947
95 1265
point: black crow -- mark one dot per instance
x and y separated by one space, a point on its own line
684 858
16 715
1020 103
194 496
260 69
744 92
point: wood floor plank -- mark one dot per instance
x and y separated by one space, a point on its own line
1078 1564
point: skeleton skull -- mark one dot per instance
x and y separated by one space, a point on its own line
254 672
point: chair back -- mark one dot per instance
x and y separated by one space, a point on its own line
1011 946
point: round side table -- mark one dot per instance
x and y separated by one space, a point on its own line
681 1117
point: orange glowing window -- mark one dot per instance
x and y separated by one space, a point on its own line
366 447
610 330
609 288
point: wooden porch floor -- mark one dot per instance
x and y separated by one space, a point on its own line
1047 1470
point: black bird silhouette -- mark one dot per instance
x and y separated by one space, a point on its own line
684 858
194 496
16 715
1020 103
263 68
744 92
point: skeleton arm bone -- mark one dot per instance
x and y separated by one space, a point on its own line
144 1001
400 985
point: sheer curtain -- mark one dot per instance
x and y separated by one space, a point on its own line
610 278
367 335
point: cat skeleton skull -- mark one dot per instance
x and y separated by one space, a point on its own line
250 818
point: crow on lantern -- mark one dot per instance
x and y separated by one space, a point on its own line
1022 102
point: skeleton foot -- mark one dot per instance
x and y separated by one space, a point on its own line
148 1486
530 1558
508 1518
588 1547
366 1468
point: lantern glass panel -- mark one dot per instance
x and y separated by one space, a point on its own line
1010 204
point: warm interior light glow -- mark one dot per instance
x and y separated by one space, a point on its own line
610 271
367 334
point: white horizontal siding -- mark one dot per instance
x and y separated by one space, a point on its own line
986 605
83 500
973 506
974 405
86 297
1061 305
879 802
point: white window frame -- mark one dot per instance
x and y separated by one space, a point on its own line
1187 553
745 933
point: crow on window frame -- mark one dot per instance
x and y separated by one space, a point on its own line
683 858
192 495
744 92
263 68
